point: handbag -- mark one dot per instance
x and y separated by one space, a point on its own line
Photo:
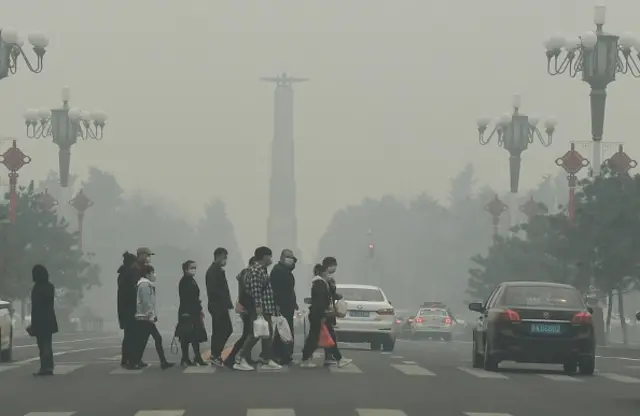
341 308
325 340
281 327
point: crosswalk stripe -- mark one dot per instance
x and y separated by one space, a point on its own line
409 362
559 377
271 412
125 371
482 373
380 412
160 413
412 370
619 377
50 414
200 370
62 369
486 414
347 369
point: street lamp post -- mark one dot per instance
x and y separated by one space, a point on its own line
495 208
11 49
572 162
515 131
599 56
81 203
531 208
13 159
46 201
64 125
620 163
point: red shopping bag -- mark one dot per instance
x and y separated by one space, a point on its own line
325 340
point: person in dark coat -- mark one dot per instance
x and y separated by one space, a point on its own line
190 329
331 265
43 317
283 284
124 289
219 305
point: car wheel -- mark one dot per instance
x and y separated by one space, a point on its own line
375 346
389 344
588 366
476 358
447 337
490 363
570 367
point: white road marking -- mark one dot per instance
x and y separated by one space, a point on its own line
619 377
62 369
380 412
125 371
200 370
617 358
271 412
160 413
482 373
397 357
66 342
347 369
50 414
486 414
559 377
409 362
114 358
59 353
412 370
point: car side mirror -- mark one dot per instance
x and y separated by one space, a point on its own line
307 301
476 307
590 310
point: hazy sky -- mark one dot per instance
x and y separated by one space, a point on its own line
396 87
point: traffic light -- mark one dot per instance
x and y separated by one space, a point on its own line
371 249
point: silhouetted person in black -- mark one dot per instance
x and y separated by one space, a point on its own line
190 330
124 292
283 284
43 317
219 305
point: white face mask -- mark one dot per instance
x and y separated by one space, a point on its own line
288 262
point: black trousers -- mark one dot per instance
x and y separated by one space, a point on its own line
145 330
221 330
311 343
45 347
247 329
129 343
327 351
282 350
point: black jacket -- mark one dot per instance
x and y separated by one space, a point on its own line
283 284
218 290
244 297
127 294
189 294
43 314
320 297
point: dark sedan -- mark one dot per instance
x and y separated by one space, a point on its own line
534 322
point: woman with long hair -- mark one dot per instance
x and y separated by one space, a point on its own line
320 310
331 265
190 330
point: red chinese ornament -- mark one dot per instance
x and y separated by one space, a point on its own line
13 159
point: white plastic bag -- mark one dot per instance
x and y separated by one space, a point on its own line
341 308
282 327
260 327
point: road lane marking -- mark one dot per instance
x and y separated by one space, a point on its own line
62 369
619 378
380 412
397 357
409 362
412 370
347 369
617 358
486 414
199 370
50 414
559 377
66 342
125 371
59 353
271 412
482 373
160 413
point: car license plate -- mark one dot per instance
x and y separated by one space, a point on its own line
359 314
545 328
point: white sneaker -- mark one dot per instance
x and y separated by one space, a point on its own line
307 364
271 365
243 365
344 362
330 362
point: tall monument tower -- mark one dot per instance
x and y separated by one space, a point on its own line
282 225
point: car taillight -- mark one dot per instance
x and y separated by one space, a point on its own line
385 311
398 321
447 321
510 315
419 320
582 318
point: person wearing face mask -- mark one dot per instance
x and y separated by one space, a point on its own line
283 284
331 265
146 317
219 305
190 330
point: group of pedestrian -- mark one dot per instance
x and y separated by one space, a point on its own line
261 296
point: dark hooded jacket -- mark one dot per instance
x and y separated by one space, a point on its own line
43 314
283 284
128 277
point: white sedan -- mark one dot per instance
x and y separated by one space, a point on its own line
6 332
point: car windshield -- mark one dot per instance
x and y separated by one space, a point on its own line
545 296
432 312
361 294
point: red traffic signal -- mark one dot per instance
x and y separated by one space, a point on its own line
371 246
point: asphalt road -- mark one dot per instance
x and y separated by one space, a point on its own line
419 378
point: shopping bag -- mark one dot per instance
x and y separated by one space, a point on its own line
341 308
325 340
261 327
282 327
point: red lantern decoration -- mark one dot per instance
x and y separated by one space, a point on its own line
13 159
620 163
572 162
495 208
531 208
81 203
46 201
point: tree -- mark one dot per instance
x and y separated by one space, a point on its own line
215 229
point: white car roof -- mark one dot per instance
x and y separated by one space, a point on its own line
354 286
4 302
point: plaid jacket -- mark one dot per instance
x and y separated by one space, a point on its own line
259 288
